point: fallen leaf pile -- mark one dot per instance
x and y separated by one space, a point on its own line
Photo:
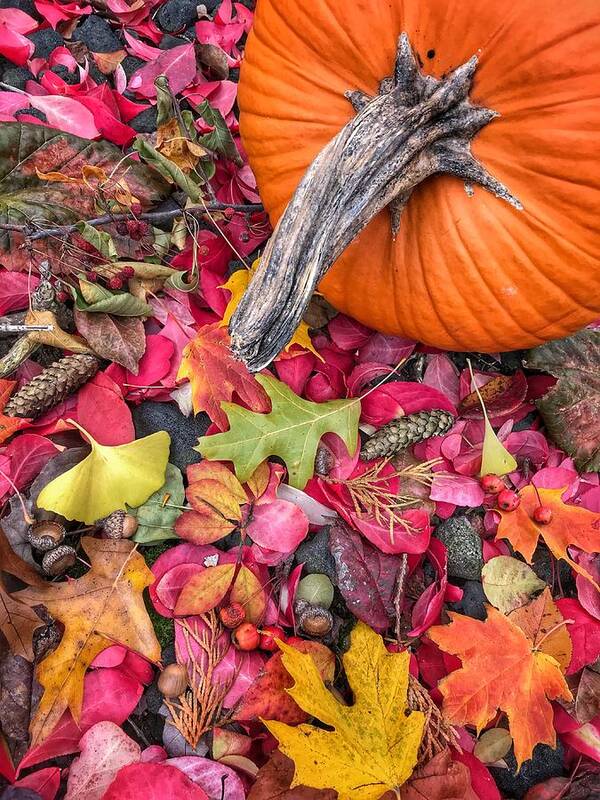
206 591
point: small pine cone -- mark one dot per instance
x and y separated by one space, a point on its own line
405 431
52 386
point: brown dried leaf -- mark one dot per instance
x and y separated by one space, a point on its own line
439 779
56 337
587 700
108 62
215 58
16 674
120 339
273 783
172 144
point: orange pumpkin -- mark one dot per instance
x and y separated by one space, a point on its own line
464 272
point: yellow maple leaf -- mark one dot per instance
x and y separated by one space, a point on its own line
237 285
102 607
373 747
109 478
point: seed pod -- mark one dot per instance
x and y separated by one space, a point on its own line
58 560
173 680
315 621
45 534
119 525
405 431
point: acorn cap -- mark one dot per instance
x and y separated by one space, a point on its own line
119 525
45 534
173 680
315 621
58 560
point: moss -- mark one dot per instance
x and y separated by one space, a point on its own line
152 552
163 627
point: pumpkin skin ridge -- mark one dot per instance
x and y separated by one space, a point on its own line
551 249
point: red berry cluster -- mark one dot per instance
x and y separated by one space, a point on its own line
134 228
509 500
245 635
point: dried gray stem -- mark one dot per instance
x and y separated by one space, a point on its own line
417 126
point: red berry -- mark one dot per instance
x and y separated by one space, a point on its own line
542 515
122 228
232 615
91 276
228 213
115 282
127 272
133 228
136 208
268 634
143 227
508 500
246 637
492 484
62 296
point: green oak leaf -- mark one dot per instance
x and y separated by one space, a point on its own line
157 517
291 430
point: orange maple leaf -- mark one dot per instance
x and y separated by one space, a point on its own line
9 425
570 526
216 376
501 669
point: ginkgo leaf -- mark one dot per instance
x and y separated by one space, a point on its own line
495 458
237 285
102 607
570 526
108 479
292 431
502 668
374 743
215 375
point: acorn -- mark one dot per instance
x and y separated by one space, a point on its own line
119 525
45 534
173 680
58 560
314 621
316 589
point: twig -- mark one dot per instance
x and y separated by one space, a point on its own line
399 593
150 216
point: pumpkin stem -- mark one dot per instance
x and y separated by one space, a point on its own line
416 127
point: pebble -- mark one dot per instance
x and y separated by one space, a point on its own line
546 763
549 570
31 112
17 77
316 556
131 64
168 42
465 558
145 122
175 15
65 73
28 6
45 42
473 601
151 416
96 33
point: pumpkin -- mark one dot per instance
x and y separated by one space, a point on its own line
465 270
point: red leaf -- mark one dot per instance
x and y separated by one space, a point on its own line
152 782
28 454
177 64
399 398
102 411
15 288
45 782
584 632
502 395
13 45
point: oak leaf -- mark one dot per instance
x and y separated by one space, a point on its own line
108 479
570 526
102 607
501 669
374 743
216 376
292 430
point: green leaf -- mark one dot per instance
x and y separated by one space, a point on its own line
220 139
571 409
102 241
24 197
146 270
509 583
292 430
167 168
162 241
155 518
96 299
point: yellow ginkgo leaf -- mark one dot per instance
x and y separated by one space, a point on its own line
237 285
372 745
495 458
108 479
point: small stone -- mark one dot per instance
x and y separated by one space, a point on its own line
168 42
151 416
67 76
210 5
546 763
131 64
31 112
146 122
96 33
17 77
28 6
176 15
316 556
548 569
473 601
45 41
465 557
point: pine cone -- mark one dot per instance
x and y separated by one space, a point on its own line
52 386
405 431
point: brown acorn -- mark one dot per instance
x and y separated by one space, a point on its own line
58 560
119 525
45 534
315 621
173 680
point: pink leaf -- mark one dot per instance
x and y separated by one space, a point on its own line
178 64
276 524
15 287
426 611
45 782
443 375
105 748
398 398
66 114
348 334
457 489
18 20
141 49
153 782
28 453
386 349
209 776
13 45
584 632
